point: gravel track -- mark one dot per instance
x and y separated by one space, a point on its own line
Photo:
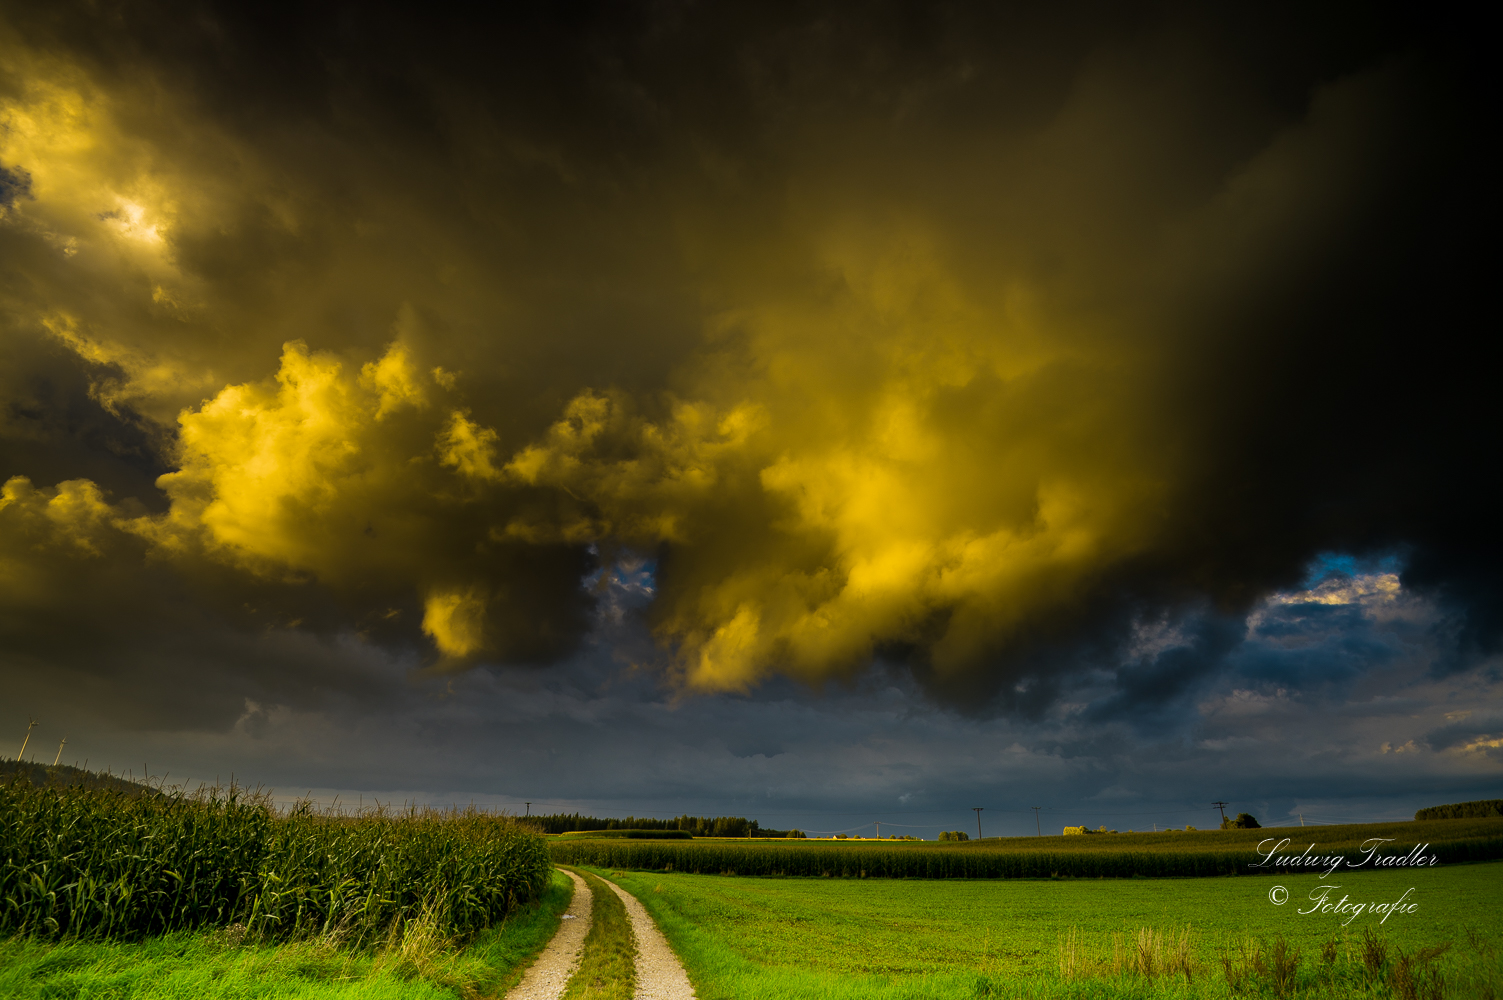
548 976
660 975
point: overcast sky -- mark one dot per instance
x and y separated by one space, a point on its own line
825 414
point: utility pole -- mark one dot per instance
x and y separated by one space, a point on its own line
29 727
529 810
1222 806
977 811
1036 819
65 743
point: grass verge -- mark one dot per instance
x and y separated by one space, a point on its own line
608 968
802 939
221 964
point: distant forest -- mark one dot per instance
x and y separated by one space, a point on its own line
1463 810
699 826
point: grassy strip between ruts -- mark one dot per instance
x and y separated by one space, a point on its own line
1158 855
189 966
803 939
608 968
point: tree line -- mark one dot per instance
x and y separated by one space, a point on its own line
698 826
1463 810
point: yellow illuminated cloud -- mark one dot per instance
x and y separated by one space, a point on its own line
395 378
260 463
91 180
74 514
303 472
455 620
53 540
466 446
144 376
940 477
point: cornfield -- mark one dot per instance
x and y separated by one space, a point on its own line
88 863
839 860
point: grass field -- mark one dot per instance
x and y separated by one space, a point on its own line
212 965
801 939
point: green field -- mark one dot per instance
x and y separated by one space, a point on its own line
754 938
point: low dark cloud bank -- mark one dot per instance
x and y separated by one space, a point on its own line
953 370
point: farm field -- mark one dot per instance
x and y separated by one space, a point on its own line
1164 840
217 894
99 864
138 892
1152 855
211 964
887 939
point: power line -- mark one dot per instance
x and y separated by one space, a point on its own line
849 829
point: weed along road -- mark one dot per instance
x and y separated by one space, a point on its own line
548 976
605 947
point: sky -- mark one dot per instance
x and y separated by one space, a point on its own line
822 413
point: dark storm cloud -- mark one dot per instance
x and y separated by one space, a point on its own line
1155 685
970 338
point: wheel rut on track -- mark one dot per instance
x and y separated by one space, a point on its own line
660 975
